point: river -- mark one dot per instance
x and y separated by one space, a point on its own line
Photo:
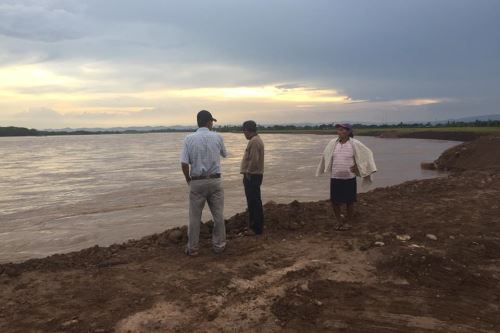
64 193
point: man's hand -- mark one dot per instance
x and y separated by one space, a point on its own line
354 169
185 171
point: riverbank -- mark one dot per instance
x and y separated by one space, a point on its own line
458 133
434 133
424 256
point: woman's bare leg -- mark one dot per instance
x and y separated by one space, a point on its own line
336 211
350 212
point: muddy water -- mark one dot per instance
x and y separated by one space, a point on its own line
59 194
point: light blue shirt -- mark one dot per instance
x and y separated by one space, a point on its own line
203 150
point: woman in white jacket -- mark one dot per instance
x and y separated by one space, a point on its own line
344 158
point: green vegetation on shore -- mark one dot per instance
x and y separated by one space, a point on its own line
379 131
493 125
18 131
463 131
21 131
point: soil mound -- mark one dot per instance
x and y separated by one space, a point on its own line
481 154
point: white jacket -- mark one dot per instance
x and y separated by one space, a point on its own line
363 157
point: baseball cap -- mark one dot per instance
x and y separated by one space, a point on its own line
204 116
347 126
250 125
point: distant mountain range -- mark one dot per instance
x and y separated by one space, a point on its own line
493 117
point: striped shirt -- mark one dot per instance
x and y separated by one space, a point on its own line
202 150
343 160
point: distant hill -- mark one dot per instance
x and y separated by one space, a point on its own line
494 117
21 131
17 131
124 129
491 121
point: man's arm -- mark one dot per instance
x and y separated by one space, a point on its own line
223 151
185 171
185 162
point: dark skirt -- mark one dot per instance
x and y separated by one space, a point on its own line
343 191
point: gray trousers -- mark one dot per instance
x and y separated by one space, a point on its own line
211 191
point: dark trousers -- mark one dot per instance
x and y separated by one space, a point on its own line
252 185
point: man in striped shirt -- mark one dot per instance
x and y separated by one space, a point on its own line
343 176
200 161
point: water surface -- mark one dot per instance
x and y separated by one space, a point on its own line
64 193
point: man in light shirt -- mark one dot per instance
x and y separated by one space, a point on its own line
200 161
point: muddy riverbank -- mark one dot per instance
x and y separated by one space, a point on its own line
424 256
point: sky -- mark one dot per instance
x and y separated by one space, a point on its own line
95 63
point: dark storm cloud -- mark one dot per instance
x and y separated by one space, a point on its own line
48 21
370 50
424 40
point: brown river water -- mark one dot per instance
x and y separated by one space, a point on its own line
64 193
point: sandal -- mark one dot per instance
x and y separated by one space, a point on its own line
249 233
191 253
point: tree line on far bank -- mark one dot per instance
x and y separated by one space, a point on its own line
18 131
331 126
22 131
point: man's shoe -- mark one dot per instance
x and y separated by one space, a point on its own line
218 251
191 253
249 233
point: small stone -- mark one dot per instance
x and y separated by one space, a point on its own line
379 244
319 303
432 237
175 236
452 237
403 238
69 323
338 325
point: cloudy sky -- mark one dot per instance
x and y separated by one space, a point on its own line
88 63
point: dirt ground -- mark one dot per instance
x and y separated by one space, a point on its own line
424 256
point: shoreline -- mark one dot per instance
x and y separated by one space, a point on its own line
457 135
297 274
450 133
